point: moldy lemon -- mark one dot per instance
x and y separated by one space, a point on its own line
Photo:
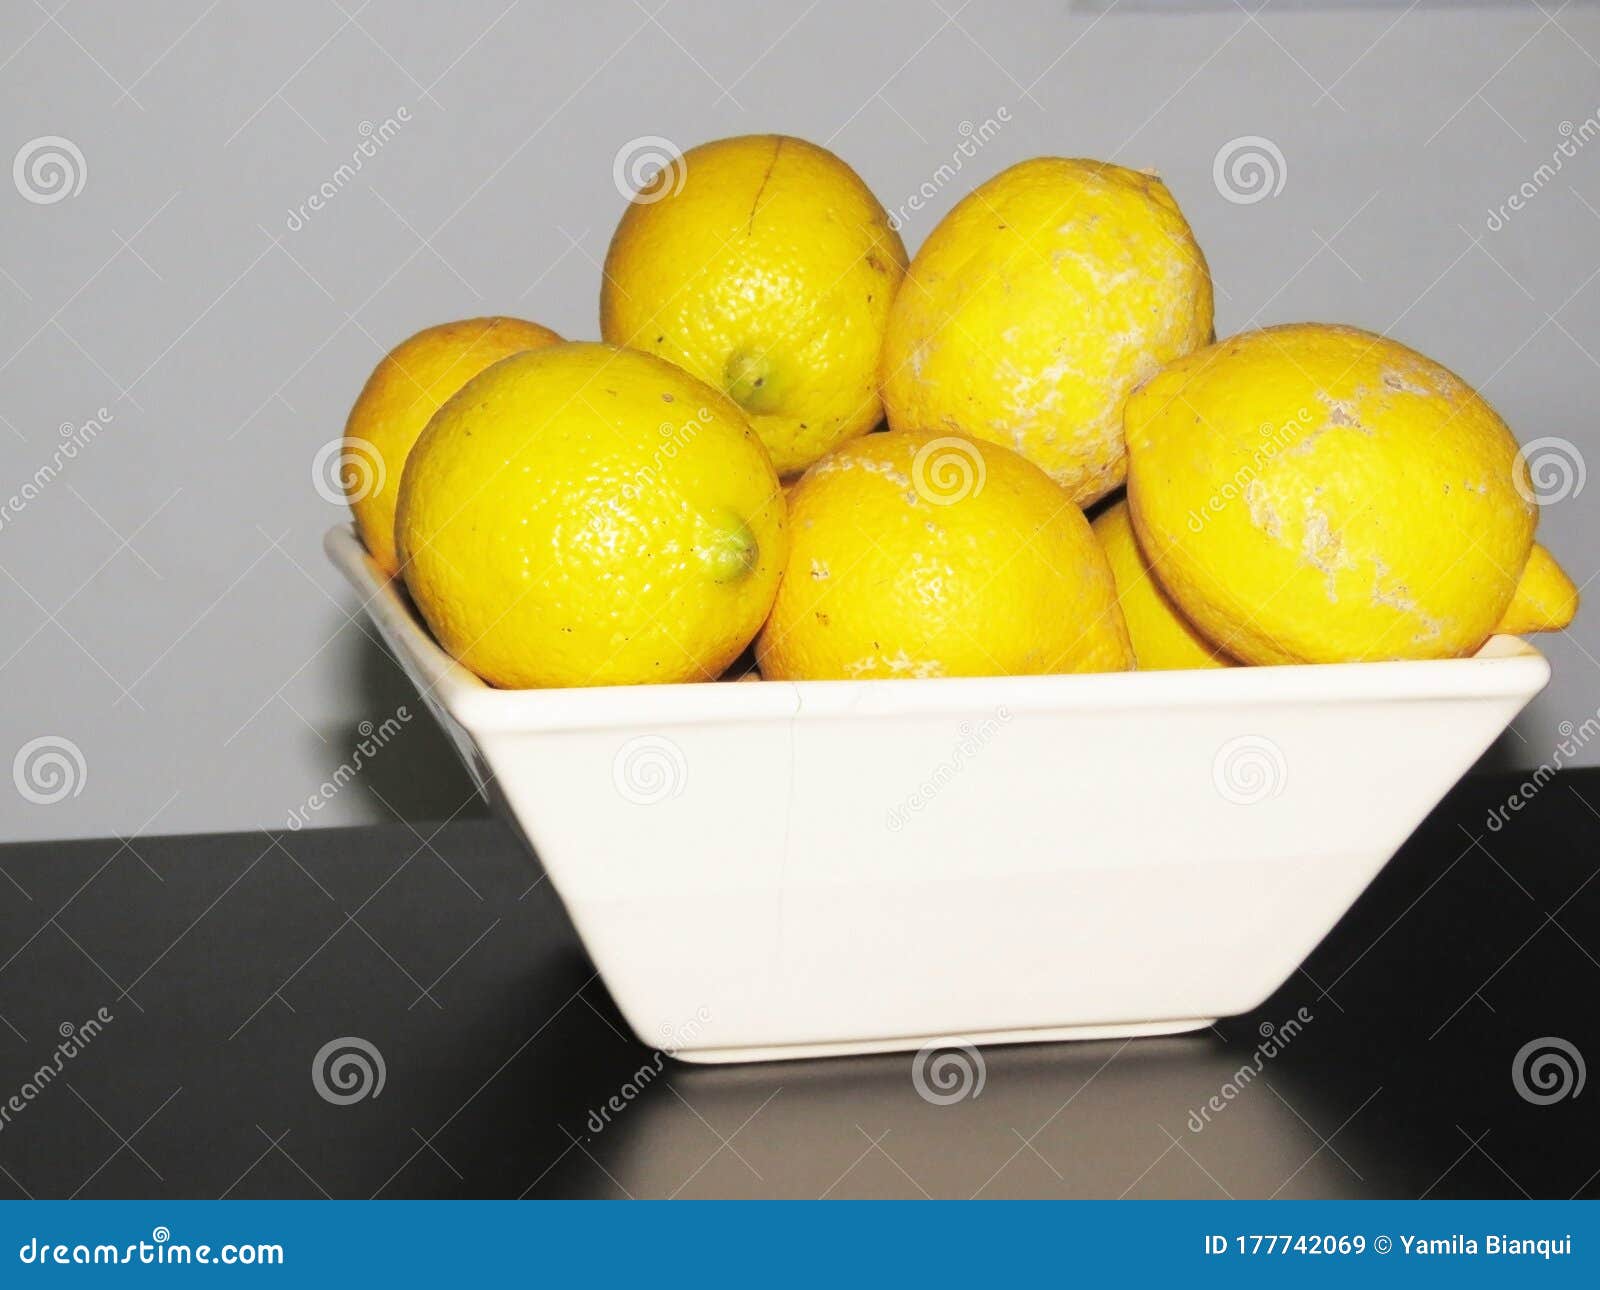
1315 493
1033 308
586 515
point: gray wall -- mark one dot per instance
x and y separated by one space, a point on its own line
164 604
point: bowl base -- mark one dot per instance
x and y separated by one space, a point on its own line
913 1043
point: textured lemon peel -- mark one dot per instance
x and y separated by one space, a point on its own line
771 275
1354 541
1546 599
999 574
956 357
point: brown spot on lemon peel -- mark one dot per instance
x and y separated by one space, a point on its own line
1394 381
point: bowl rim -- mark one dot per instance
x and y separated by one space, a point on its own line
1505 667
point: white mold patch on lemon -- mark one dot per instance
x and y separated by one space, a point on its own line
1036 305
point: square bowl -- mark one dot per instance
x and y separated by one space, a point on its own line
780 869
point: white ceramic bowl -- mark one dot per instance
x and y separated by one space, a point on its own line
785 870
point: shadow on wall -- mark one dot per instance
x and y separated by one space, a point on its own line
1507 753
404 766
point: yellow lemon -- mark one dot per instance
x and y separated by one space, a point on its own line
915 554
587 515
1314 493
1545 601
1163 639
1033 308
763 265
404 390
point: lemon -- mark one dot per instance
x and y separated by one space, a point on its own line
1545 601
766 267
404 390
1033 308
1163 639
915 554
587 515
1315 493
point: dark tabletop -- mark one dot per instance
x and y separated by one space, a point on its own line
203 975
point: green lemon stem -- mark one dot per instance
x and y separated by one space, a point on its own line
748 378
731 550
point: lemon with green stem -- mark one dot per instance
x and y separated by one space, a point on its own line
588 515
766 267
